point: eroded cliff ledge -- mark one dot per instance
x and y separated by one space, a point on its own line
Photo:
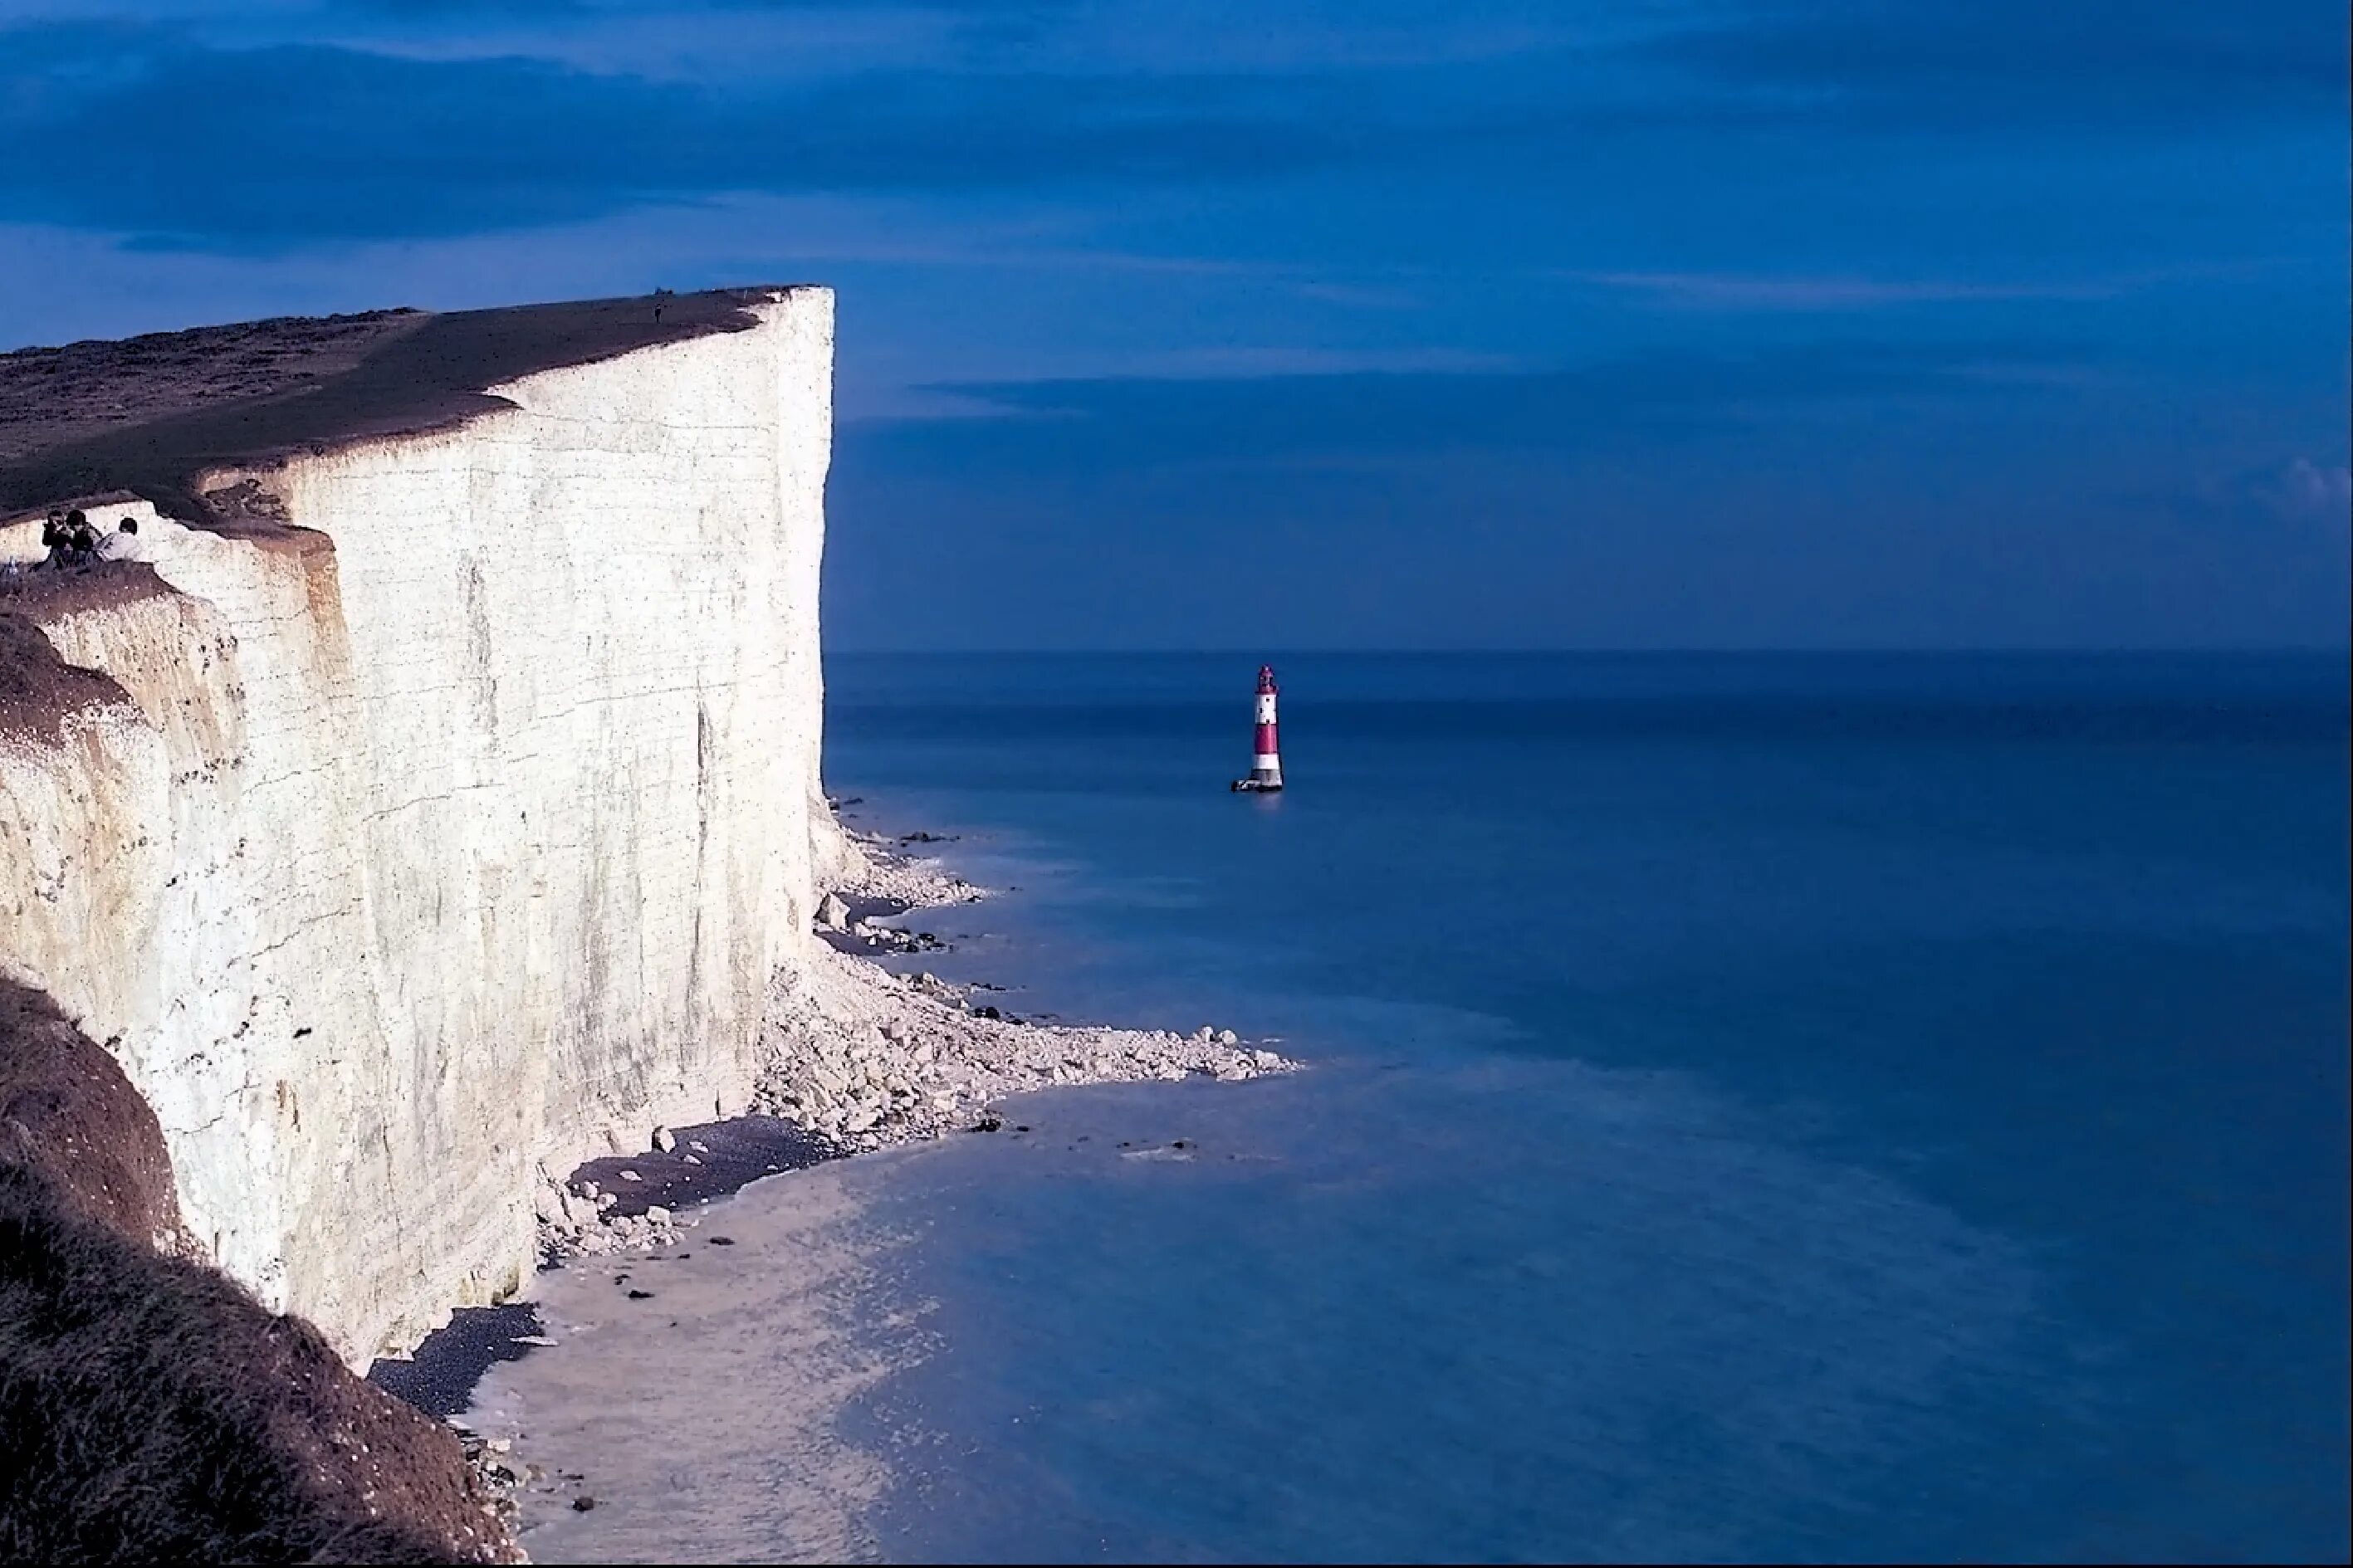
439 808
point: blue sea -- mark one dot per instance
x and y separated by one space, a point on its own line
1844 1106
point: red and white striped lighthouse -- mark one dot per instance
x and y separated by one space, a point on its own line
1266 759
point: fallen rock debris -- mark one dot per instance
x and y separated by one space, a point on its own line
865 1058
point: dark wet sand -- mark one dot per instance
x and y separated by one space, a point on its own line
439 1377
734 1153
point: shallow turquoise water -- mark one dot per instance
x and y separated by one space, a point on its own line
1818 1107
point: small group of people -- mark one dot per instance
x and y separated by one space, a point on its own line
72 540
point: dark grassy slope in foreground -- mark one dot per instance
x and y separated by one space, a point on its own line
150 1409
163 411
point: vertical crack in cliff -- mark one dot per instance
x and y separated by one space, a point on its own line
481 673
704 765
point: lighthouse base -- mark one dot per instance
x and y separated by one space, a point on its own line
1257 786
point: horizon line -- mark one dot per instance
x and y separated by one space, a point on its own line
2314 650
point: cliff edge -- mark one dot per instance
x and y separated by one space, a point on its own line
436 801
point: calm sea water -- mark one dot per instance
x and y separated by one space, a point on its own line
1827 1107
1838 1107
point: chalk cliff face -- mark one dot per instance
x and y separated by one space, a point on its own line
457 835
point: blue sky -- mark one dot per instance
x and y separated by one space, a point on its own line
1350 323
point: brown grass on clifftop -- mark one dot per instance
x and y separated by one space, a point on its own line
150 1409
150 415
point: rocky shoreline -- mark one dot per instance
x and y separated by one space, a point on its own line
854 1058
868 1058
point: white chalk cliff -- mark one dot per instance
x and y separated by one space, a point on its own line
458 836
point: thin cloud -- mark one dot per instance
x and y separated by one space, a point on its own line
1360 296
1269 413
1269 360
2302 489
1992 63
2290 498
302 143
487 121
1757 291
1801 291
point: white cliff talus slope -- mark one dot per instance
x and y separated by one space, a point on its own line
464 845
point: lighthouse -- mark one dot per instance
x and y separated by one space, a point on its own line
1266 760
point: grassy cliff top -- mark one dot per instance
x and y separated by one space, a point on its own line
146 414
